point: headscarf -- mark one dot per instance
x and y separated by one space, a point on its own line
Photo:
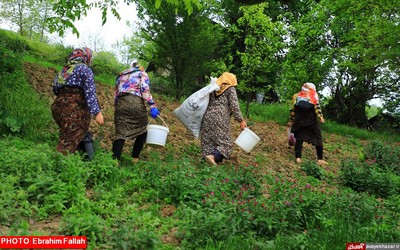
134 67
77 57
308 93
225 81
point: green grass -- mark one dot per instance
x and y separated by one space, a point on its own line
43 62
216 208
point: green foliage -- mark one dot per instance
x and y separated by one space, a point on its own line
225 207
55 54
260 59
124 239
12 124
12 41
181 45
386 155
377 173
312 169
85 224
31 113
106 64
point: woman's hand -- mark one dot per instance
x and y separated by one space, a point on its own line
243 124
99 118
322 120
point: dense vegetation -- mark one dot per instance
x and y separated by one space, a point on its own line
172 199
348 49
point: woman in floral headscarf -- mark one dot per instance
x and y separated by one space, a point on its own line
305 116
215 130
75 103
132 93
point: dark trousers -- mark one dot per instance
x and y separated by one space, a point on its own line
218 157
298 148
118 145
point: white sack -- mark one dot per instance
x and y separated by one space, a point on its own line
192 110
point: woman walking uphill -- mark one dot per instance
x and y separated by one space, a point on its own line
75 103
215 131
305 116
130 117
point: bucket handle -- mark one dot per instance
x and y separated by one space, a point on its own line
165 124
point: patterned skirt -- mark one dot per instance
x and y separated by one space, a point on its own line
130 117
71 113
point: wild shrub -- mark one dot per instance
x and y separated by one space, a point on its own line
376 173
312 169
365 177
12 41
123 237
386 155
84 224
46 181
23 104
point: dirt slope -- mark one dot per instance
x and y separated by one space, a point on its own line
276 155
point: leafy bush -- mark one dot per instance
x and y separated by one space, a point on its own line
124 238
377 173
312 169
12 41
105 63
386 155
85 224
367 177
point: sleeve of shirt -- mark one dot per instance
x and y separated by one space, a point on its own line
234 107
145 89
89 89
292 112
55 86
318 110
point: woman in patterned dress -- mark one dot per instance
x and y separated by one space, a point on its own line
130 117
76 103
215 131
305 116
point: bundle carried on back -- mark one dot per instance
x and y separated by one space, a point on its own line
192 110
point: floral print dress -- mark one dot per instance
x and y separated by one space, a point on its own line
215 132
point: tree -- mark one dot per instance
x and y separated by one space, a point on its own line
183 45
28 16
66 12
351 48
263 51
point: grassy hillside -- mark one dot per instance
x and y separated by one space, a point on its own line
171 199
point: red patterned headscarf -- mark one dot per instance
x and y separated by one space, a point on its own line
77 56
308 93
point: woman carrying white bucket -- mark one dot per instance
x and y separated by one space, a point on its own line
130 117
215 131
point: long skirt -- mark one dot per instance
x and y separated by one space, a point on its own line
71 113
130 117
306 127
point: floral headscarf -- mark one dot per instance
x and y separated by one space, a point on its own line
225 81
308 93
77 57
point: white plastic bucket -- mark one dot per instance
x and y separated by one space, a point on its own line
157 134
247 140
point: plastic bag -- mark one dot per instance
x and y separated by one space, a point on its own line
192 110
291 138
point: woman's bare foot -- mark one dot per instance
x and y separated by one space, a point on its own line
210 160
135 160
298 160
322 162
